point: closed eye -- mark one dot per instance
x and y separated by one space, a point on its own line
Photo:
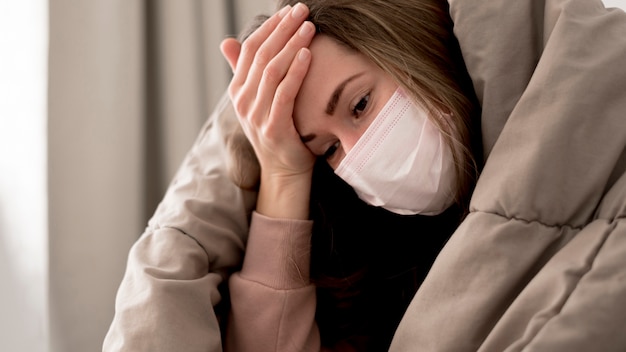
331 150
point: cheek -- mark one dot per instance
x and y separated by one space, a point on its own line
348 141
336 159
353 133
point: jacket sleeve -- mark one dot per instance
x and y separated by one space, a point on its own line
168 297
272 300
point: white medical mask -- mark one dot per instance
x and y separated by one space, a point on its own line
401 162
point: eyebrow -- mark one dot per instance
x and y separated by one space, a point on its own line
332 102
334 98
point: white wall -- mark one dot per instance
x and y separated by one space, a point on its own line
23 219
615 3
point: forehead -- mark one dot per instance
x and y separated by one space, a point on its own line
329 58
331 63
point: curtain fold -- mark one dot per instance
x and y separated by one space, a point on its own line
130 84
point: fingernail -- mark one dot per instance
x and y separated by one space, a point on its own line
298 10
305 29
284 11
303 55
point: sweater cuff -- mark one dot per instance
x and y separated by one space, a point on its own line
278 253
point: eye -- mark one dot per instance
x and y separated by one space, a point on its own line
361 105
331 150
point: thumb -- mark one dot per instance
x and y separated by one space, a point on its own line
231 48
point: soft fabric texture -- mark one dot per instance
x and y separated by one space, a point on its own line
273 301
176 271
539 263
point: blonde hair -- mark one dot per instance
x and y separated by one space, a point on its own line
412 40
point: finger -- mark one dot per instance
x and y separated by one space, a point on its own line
251 45
231 48
274 43
281 113
240 63
276 70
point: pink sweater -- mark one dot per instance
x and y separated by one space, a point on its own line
273 302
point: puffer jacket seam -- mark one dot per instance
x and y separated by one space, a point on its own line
560 226
186 234
580 278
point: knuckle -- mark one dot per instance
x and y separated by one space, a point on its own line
282 96
232 91
269 132
255 115
284 26
272 74
240 105
240 109
249 46
262 57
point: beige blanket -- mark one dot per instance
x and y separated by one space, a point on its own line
539 264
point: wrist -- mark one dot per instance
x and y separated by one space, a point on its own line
285 196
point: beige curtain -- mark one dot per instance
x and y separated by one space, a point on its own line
130 84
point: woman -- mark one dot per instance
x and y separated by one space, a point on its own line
379 94
537 264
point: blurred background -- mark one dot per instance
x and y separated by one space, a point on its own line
99 102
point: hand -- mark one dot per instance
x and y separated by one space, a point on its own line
268 70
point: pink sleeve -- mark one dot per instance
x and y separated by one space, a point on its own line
273 302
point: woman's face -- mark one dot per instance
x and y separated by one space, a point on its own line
340 96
